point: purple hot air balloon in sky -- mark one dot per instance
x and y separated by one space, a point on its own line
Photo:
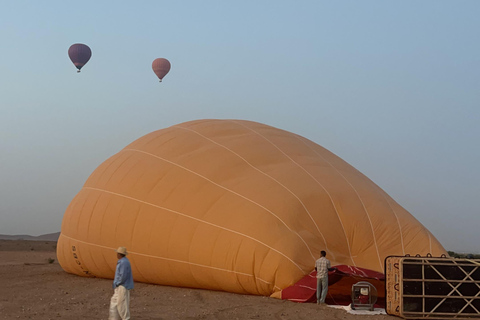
161 66
79 54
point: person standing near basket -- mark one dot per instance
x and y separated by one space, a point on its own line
322 266
122 284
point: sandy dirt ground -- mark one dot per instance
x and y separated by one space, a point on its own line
34 287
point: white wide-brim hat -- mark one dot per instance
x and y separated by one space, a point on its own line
122 250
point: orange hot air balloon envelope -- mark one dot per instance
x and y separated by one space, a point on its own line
161 67
79 53
232 205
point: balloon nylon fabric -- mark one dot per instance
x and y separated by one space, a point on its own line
79 54
340 282
232 205
161 67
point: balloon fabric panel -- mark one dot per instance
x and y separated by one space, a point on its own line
79 54
232 205
161 67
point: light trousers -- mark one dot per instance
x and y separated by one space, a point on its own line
120 304
322 288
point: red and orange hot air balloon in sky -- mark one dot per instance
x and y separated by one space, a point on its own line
161 67
79 54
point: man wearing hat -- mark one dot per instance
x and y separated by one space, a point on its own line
122 284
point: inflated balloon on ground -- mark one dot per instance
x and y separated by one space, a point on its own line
232 205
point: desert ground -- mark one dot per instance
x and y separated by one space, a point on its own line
34 287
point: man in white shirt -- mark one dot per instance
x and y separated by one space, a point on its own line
322 266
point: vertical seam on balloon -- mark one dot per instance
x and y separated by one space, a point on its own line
172 260
107 163
338 215
398 221
89 221
115 170
101 224
133 234
393 210
200 220
76 222
255 168
194 231
61 256
363 205
218 185
122 161
308 212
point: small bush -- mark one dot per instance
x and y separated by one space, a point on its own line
463 255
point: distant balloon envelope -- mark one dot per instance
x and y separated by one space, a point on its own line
79 54
161 67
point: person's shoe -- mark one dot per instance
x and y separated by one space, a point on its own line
318 301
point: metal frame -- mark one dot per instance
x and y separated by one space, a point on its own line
372 296
433 288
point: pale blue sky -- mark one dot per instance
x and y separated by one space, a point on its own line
392 87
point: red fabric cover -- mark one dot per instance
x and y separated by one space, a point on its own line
340 282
